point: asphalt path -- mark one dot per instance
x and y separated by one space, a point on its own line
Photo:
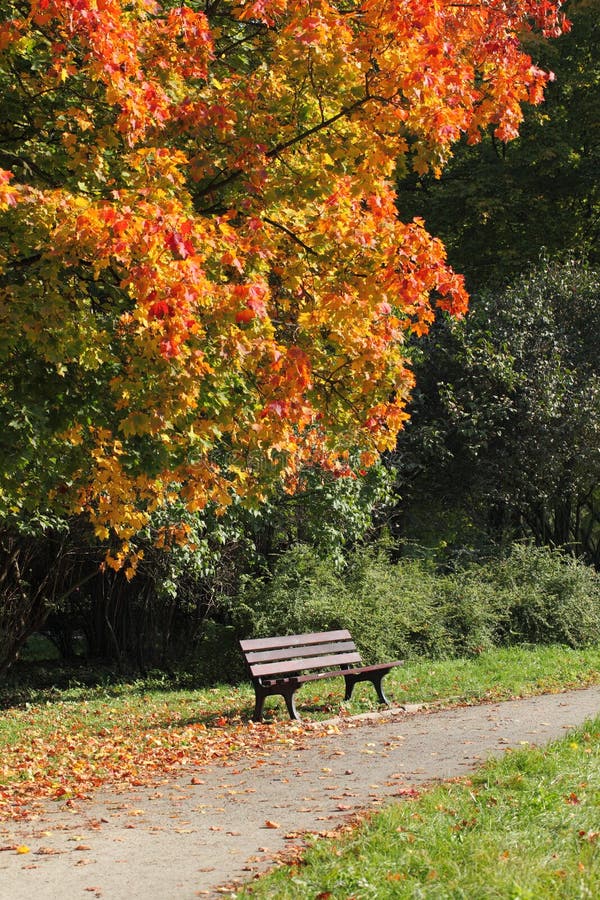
218 825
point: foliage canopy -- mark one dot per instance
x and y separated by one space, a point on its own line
498 205
205 286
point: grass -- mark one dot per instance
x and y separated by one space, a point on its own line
67 741
524 827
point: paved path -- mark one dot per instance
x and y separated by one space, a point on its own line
181 840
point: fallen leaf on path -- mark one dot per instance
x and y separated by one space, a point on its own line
407 792
270 824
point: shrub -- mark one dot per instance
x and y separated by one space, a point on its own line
407 609
548 597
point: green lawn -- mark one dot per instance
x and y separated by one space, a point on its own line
526 826
68 741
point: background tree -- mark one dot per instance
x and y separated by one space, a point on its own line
504 440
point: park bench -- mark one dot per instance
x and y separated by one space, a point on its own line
280 665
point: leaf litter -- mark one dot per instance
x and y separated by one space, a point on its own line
75 758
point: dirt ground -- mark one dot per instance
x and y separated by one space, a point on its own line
221 824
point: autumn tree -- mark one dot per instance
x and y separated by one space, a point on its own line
205 286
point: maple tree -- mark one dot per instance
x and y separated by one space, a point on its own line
205 284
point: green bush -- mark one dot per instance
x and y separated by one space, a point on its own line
391 609
548 597
407 609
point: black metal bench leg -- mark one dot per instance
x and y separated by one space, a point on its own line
377 679
288 696
350 680
258 706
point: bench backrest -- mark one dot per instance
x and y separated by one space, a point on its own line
289 654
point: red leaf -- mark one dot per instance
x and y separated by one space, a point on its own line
245 315
178 245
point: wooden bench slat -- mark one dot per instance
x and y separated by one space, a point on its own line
315 676
294 640
377 667
314 662
257 656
